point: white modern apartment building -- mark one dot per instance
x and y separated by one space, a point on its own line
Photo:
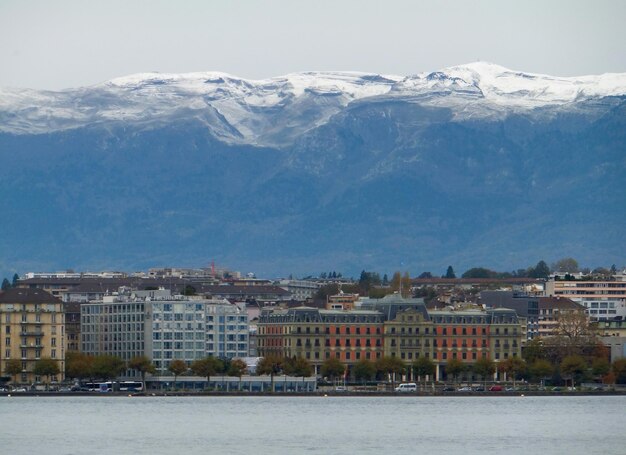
300 289
163 327
603 299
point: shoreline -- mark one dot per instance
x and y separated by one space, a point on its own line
313 394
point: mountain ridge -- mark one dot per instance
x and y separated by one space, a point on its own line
299 183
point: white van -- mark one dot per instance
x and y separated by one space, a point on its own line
407 387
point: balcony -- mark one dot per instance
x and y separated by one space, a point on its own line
31 346
31 333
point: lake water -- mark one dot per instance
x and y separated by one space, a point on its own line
312 425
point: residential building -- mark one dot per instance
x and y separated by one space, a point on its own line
263 295
613 335
342 301
300 290
317 334
72 326
163 327
603 299
526 306
32 327
391 326
549 310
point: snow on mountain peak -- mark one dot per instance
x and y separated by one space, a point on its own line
502 85
275 110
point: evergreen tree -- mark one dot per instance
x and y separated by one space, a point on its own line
15 278
541 270
450 272
5 284
385 280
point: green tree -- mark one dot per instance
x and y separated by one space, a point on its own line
423 366
600 367
78 365
575 367
619 370
406 285
272 365
364 370
479 272
540 369
390 366
13 367
534 350
107 366
16 277
46 367
396 280
484 368
207 367
332 368
321 295
177 367
454 368
541 270
143 365
237 368
450 272
189 290
513 367
5 284
301 368
569 265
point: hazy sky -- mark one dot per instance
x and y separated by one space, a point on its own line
61 44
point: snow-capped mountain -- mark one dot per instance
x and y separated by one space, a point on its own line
273 112
473 165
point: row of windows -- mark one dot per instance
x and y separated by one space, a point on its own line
25 331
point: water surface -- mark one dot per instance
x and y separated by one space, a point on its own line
312 425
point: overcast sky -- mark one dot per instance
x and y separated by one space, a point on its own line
61 44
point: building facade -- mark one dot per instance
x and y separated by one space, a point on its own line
391 327
526 306
164 328
603 299
32 325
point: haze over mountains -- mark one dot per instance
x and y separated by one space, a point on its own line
474 165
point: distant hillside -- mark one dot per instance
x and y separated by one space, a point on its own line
474 165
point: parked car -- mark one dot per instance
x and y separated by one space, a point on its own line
341 388
479 389
448 389
495 388
407 387
511 389
464 389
